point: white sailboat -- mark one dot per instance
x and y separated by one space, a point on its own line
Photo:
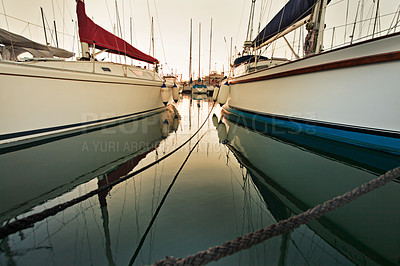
50 96
198 87
349 94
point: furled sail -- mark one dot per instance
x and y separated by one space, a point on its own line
14 45
292 12
90 32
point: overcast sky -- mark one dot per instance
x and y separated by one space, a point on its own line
171 24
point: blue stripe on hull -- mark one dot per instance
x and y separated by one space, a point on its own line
379 140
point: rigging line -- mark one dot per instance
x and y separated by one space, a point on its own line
123 17
27 26
29 29
162 43
69 11
227 49
30 23
361 18
63 18
376 18
50 30
29 221
396 24
241 18
347 16
120 221
248 169
148 11
262 12
133 25
5 16
239 160
355 22
109 14
54 13
393 23
233 201
360 21
299 250
162 203
370 14
268 16
118 20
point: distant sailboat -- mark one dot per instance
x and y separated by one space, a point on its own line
347 94
210 86
46 96
198 86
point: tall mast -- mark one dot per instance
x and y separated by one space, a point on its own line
209 64
54 23
250 24
314 38
152 35
130 28
119 27
44 26
151 50
190 57
230 60
55 31
199 47
249 34
321 25
376 18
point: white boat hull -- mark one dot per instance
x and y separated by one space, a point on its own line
334 89
37 100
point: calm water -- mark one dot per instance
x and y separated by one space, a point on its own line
240 177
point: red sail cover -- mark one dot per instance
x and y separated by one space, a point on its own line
90 32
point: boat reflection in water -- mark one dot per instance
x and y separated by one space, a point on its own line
37 174
295 171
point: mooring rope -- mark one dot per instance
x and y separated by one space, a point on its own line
162 202
30 220
248 240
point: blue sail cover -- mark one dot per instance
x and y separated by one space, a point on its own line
293 11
